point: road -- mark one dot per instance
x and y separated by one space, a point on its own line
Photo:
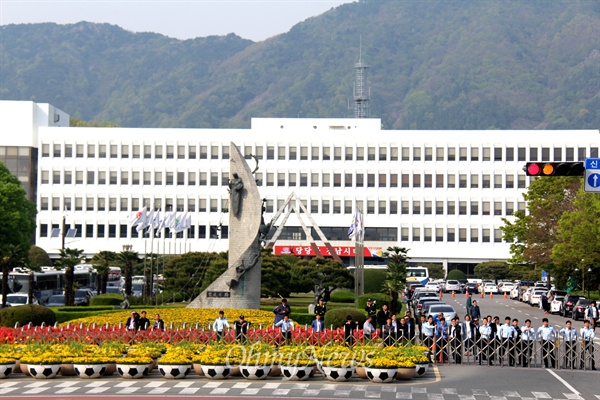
446 382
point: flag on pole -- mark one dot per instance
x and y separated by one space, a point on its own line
353 226
137 217
570 285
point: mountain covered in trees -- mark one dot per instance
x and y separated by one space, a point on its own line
458 64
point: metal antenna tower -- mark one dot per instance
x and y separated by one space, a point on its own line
361 88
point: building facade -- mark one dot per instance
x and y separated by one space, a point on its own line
442 194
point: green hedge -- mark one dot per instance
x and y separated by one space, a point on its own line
337 317
374 280
108 299
85 308
26 314
379 297
301 319
342 296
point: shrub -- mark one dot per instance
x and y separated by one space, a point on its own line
342 296
374 280
109 299
380 298
301 319
456 274
337 317
26 314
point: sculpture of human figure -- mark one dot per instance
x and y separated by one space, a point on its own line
235 188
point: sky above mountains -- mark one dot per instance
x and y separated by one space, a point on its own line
183 19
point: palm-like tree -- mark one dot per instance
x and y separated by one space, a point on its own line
101 262
10 257
395 275
127 259
69 258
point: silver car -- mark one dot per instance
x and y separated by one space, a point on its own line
452 286
448 311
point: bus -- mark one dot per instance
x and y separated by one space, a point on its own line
417 275
48 283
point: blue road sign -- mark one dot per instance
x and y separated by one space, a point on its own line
592 175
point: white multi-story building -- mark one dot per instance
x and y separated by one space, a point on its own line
442 194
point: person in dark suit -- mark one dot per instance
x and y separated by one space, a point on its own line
241 329
410 326
132 323
159 324
382 317
321 308
281 311
143 322
455 336
349 328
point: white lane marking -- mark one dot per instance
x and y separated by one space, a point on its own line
561 380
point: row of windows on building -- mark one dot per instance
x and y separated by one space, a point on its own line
315 206
291 179
325 153
407 233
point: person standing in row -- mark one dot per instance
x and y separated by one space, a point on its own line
132 323
282 310
220 325
456 336
547 335
428 332
371 310
527 338
592 314
349 328
382 317
287 326
318 325
159 324
485 332
368 329
570 336
506 333
241 329
587 335
144 322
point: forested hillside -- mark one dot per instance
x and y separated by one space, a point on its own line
523 64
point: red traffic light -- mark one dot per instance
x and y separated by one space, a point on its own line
554 169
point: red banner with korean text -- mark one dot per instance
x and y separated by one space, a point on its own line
342 251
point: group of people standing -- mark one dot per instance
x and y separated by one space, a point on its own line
137 322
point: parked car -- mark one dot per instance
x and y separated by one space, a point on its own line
506 287
82 297
490 288
448 311
579 308
536 296
427 305
421 295
526 295
19 299
424 301
452 286
568 303
56 300
113 289
471 287
556 303
434 286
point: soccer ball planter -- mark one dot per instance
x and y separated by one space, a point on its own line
174 371
422 369
255 372
6 370
296 372
133 371
216 371
338 374
381 375
90 371
44 371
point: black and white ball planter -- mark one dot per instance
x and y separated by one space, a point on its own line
133 371
422 369
6 370
89 371
381 375
216 371
338 374
296 372
255 372
43 371
174 371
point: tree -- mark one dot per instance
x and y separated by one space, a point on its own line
69 258
276 274
128 259
101 262
18 214
38 257
395 274
436 271
322 276
11 258
492 270
578 239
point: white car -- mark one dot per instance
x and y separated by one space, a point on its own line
514 293
556 304
506 287
452 286
433 286
490 288
19 299
536 296
526 294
